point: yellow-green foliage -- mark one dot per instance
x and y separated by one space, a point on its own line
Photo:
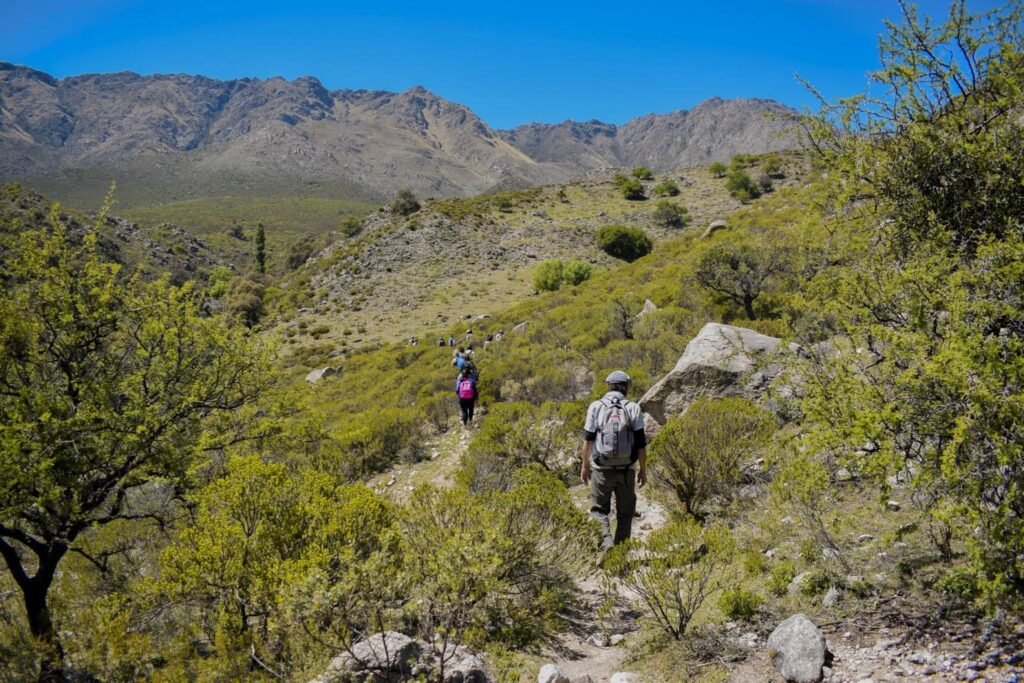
260 531
675 570
482 205
516 435
700 454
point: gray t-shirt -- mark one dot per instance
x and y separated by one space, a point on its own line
636 421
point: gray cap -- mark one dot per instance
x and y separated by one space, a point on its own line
618 377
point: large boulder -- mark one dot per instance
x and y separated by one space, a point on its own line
798 650
720 361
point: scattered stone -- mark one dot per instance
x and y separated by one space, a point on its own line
648 308
831 597
865 538
616 639
624 677
798 650
318 374
549 673
797 583
598 639
842 475
892 506
714 227
830 554
521 327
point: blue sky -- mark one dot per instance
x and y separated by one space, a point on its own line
512 63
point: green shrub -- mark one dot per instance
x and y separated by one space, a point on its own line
632 190
624 242
718 169
773 167
405 203
549 275
670 215
666 188
350 226
818 580
765 184
674 571
642 173
577 271
782 574
960 584
699 454
738 603
741 186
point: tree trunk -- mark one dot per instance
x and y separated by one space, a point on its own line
51 654
748 307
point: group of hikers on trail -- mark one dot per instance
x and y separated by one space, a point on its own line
614 446
466 382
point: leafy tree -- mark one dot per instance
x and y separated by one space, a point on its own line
405 203
261 249
300 252
107 385
670 215
700 454
642 173
740 186
718 169
926 176
742 272
666 188
624 242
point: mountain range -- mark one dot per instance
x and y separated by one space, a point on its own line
167 137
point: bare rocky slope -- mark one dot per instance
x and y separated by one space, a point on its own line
167 137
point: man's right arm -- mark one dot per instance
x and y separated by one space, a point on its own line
585 468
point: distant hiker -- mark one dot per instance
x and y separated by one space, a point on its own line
501 335
468 353
451 340
614 457
465 389
459 358
469 365
489 338
440 341
469 335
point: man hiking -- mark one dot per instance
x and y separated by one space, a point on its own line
614 458
465 389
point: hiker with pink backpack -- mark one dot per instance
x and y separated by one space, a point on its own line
465 389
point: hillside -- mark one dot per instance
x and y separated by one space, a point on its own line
175 137
455 260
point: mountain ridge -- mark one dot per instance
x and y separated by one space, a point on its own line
185 135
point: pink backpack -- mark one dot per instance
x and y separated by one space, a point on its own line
466 389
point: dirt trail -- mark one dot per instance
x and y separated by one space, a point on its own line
587 648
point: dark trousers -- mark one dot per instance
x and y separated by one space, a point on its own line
603 485
466 404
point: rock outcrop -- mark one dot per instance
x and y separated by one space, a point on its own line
393 655
316 375
798 650
720 361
